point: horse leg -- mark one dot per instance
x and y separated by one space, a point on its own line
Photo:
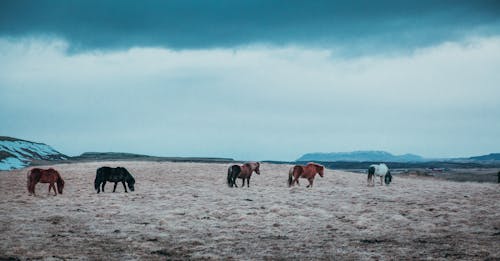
54 188
243 184
296 180
125 187
50 186
248 182
310 183
114 188
103 184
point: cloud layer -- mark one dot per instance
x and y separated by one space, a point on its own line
351 28
252 102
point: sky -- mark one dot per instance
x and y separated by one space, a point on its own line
252 80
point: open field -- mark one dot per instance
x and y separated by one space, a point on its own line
186 211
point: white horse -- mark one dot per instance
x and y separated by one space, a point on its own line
381 170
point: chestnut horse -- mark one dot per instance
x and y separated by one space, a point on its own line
45 176
306 172
243 172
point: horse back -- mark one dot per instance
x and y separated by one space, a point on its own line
112 174
44 175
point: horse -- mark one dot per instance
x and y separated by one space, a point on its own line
381 170
243 172
308 172
115 175
50 176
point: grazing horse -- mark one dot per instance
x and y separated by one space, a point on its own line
381 170
243 172
308 172
115 175
50 176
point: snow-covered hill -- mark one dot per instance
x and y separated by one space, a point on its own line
16 153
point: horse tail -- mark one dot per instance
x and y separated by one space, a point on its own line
229 176
28 180
97 179
290 176
371 172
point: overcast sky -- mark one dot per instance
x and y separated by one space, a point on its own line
252 80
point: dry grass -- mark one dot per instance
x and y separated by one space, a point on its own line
186 211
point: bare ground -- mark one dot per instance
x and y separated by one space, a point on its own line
186 211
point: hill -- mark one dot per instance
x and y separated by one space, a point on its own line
489 157
113 156
17 153
360 156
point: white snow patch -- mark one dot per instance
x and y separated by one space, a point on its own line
24 152
11 163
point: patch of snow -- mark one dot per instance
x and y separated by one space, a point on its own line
23 152
11 163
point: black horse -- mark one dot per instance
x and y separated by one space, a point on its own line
232 174
113 175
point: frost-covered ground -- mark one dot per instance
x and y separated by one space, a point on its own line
186 211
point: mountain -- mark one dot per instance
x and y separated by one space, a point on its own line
359 156
489 157
17 153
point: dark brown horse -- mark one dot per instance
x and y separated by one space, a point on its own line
50 176
306 172
242 172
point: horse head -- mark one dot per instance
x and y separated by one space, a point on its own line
60 185
388 178
128 178
257 168
253 166
320 170
131 183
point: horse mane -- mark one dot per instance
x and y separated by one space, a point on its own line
316 164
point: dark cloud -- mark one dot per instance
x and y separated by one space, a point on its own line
349 25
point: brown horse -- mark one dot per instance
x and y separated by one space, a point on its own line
307 172
243 172
45 176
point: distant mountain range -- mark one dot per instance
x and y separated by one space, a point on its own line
383 156
359 156
17 153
